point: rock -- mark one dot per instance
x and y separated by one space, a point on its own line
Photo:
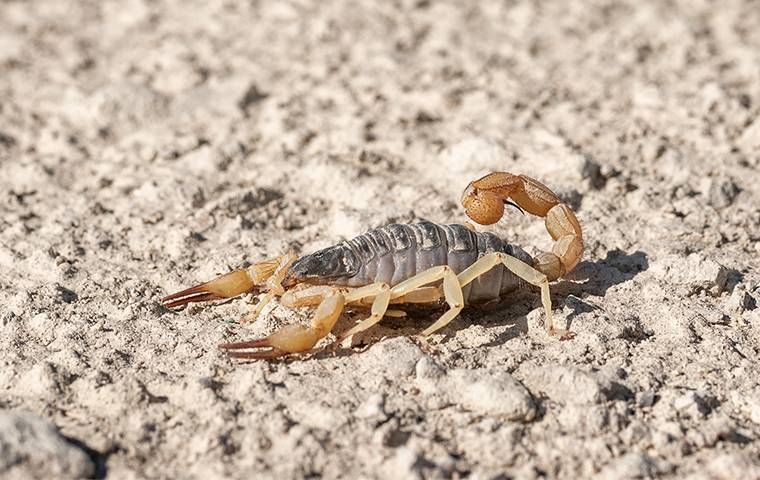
721 192
565 384
691 405
695 271
714 429
491 393
33 447
373 407
740 300
753 406
754 291
733 465
633 465
427 368
706 274
584 420
652 148
405 463
319 415
647 398
670 429
750 138
482 391
43 380
394 358
749 403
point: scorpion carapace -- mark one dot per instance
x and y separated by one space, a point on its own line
422 263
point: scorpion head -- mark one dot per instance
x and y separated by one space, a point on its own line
323 267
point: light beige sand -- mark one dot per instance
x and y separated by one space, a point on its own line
147 146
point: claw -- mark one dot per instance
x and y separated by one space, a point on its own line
229 285
291 339
195 294
268 352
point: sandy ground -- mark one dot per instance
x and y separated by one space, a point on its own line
147 146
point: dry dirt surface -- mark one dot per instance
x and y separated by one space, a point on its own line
147 146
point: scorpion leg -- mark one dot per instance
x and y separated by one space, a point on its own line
274 286
421 295
304 297
292 338
484 200
452 292
519 268
382 295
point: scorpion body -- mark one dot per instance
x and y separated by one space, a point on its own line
422 263
395 253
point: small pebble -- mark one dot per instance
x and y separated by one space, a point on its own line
691 405
427 368
647 398
730 466
492 394
564 384
373 407
721 192
633 465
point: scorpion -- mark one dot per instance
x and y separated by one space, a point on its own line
421 263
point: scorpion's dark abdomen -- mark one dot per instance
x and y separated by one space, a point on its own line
394 253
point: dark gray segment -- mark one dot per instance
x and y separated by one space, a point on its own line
461 251
459 238
429 235
405 252
380 241
487 286
328 266
431 246
488 242
362 248
385 269
401 236
518 253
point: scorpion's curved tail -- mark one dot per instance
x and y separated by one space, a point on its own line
484 200
267 273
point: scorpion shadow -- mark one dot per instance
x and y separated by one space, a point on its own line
589 278
597 277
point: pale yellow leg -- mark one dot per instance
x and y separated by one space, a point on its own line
421 295
452 292
304 297
519 268
382 295
274 287
299 338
